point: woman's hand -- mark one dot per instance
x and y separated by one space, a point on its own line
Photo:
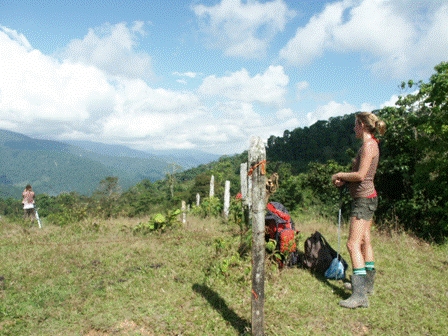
337 181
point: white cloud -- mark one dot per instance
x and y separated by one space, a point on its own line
288 121
312 40
392 37
432 47
186 74
15 36
36 87
284 113
269 87
394 98
238 122
44 97
301 86
143 112
391 102
332 109
367 107
243 29
112 48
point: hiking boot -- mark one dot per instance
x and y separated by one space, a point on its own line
359 296
370 280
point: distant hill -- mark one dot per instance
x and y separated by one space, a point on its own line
184 158
54 167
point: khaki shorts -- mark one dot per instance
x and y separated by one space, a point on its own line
364 208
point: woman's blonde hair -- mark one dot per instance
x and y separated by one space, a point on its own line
372 122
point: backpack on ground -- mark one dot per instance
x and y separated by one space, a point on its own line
280 227
318 255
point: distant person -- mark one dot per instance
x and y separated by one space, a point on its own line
28 203
364 204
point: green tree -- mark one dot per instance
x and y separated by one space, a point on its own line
413 174
107 196
139 199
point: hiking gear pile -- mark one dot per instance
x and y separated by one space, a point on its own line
280 227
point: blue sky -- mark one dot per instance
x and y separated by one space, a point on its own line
206 75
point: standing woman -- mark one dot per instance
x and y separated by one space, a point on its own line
364 204
28 203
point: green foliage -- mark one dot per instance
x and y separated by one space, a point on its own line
159 222
321 142
10 207
68 214
106 197
209 207
138 200
236 213
413 176
227 262
312 192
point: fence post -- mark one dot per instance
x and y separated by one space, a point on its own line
212 186
184 213
226 200
244 181
257 161
198 199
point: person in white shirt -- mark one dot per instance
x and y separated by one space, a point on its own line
28 203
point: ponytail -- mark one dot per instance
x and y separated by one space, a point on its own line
372 122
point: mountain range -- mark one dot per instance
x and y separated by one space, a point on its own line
54 167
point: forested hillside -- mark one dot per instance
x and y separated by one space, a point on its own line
325 140
54 167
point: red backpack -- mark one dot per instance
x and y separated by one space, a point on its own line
280 227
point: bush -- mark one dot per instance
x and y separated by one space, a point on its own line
159 222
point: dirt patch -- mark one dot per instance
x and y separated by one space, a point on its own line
359 328
124 328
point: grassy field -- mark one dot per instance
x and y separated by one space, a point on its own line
96 278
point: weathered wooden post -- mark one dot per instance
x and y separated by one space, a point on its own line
257 161
226 200
198 199
244 181
212 186
184 213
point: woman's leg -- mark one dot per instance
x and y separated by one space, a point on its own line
357 245
354 245
367 250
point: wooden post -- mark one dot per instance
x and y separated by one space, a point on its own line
257 161
212 186
244 181
198 199
184 213
226 200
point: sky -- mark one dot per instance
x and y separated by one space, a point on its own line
207 74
